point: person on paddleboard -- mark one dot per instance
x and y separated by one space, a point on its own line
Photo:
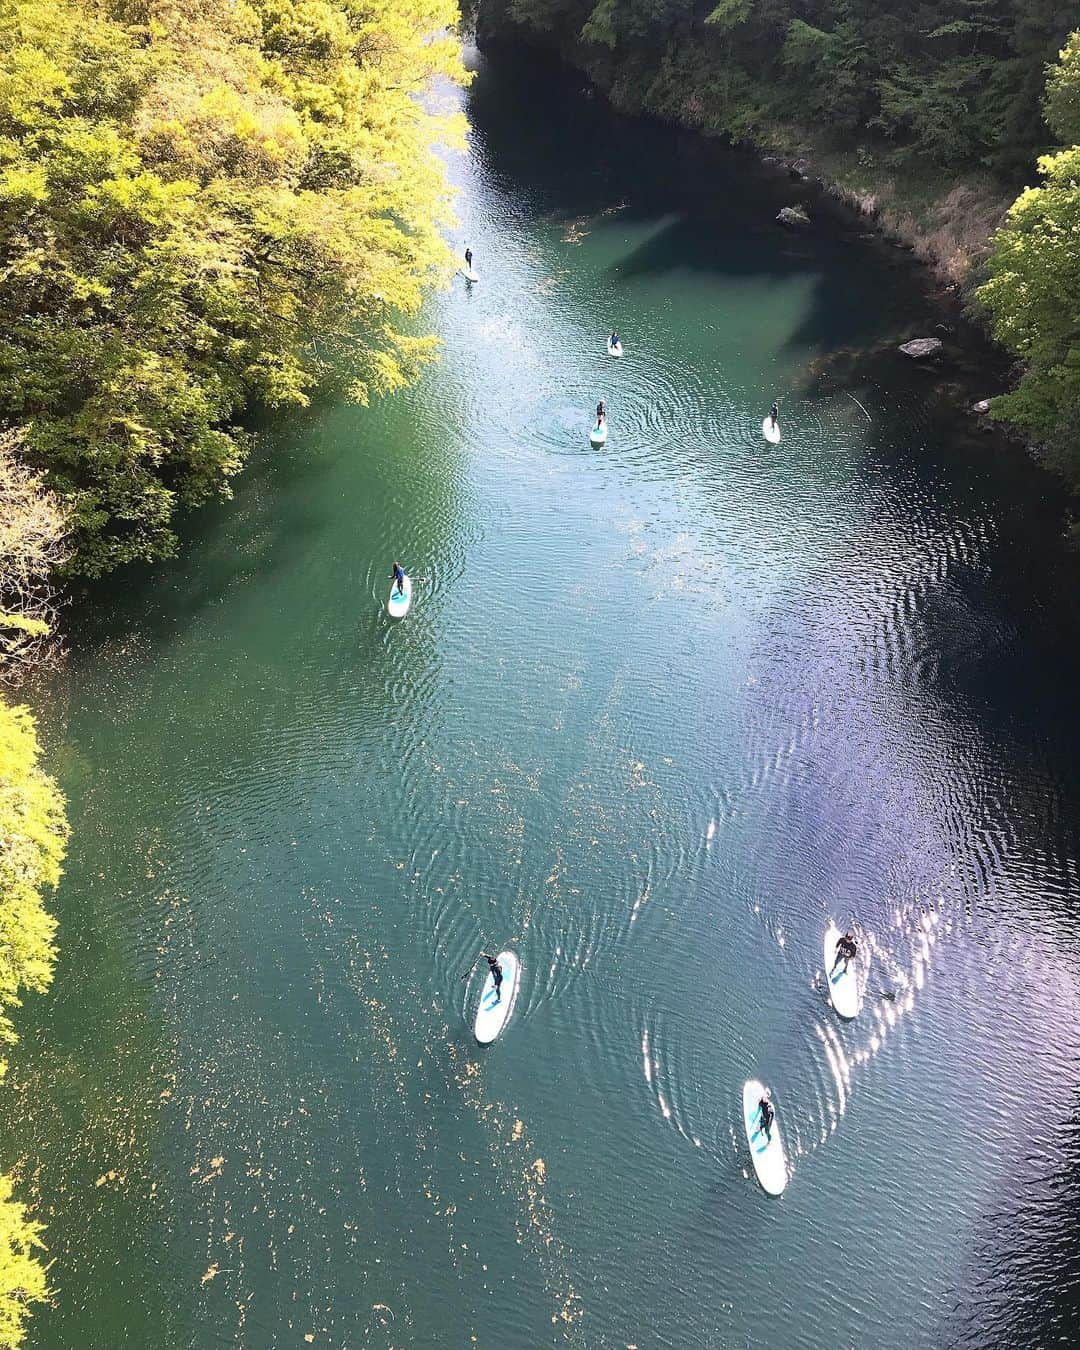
468 258
846 947
398 575
601 412
774 413
613 340
496 974
768 1115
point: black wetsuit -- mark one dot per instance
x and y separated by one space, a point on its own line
768 1115
468 258
496 974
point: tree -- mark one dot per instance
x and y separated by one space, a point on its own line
1063 94
203 206
33 832
1033 293
22 1276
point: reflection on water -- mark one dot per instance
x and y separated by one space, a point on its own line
658 712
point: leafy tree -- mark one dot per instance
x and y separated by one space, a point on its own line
1063 94
200 206
33 831
22 1276
1033 296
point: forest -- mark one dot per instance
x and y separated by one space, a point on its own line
953 104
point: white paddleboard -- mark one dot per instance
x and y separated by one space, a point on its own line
843 984
770 432
491 1017
766 1151
469 274
598 435
398 605
614 348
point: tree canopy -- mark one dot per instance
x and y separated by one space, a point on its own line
1033 294
33 833
203 205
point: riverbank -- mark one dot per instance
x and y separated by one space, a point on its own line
946 221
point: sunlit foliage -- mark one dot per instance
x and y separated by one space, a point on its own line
33 832
1034 289
201 205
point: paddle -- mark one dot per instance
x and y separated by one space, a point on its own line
472 967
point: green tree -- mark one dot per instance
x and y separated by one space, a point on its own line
1063 94
202 206
33 833
1033 293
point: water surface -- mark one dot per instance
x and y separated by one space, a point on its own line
657 714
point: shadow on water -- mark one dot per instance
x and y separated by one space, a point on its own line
558 154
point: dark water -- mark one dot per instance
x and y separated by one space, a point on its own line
657 714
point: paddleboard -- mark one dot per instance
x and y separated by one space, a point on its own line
469 274
398 605
598 435
491 1017
770 432
614 349
843 984
766 1151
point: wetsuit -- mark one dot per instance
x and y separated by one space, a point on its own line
496 975
601 412
768 1115
468 258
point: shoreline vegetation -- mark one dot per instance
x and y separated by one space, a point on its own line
928 122
204 209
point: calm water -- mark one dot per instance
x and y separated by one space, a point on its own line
657 713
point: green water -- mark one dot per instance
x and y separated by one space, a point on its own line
656 714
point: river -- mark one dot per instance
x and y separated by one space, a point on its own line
657 713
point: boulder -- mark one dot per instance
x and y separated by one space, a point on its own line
983 406
920 348
801 167
795 217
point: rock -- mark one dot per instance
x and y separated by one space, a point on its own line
771 160
801 167
983 406
919 348
796 217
